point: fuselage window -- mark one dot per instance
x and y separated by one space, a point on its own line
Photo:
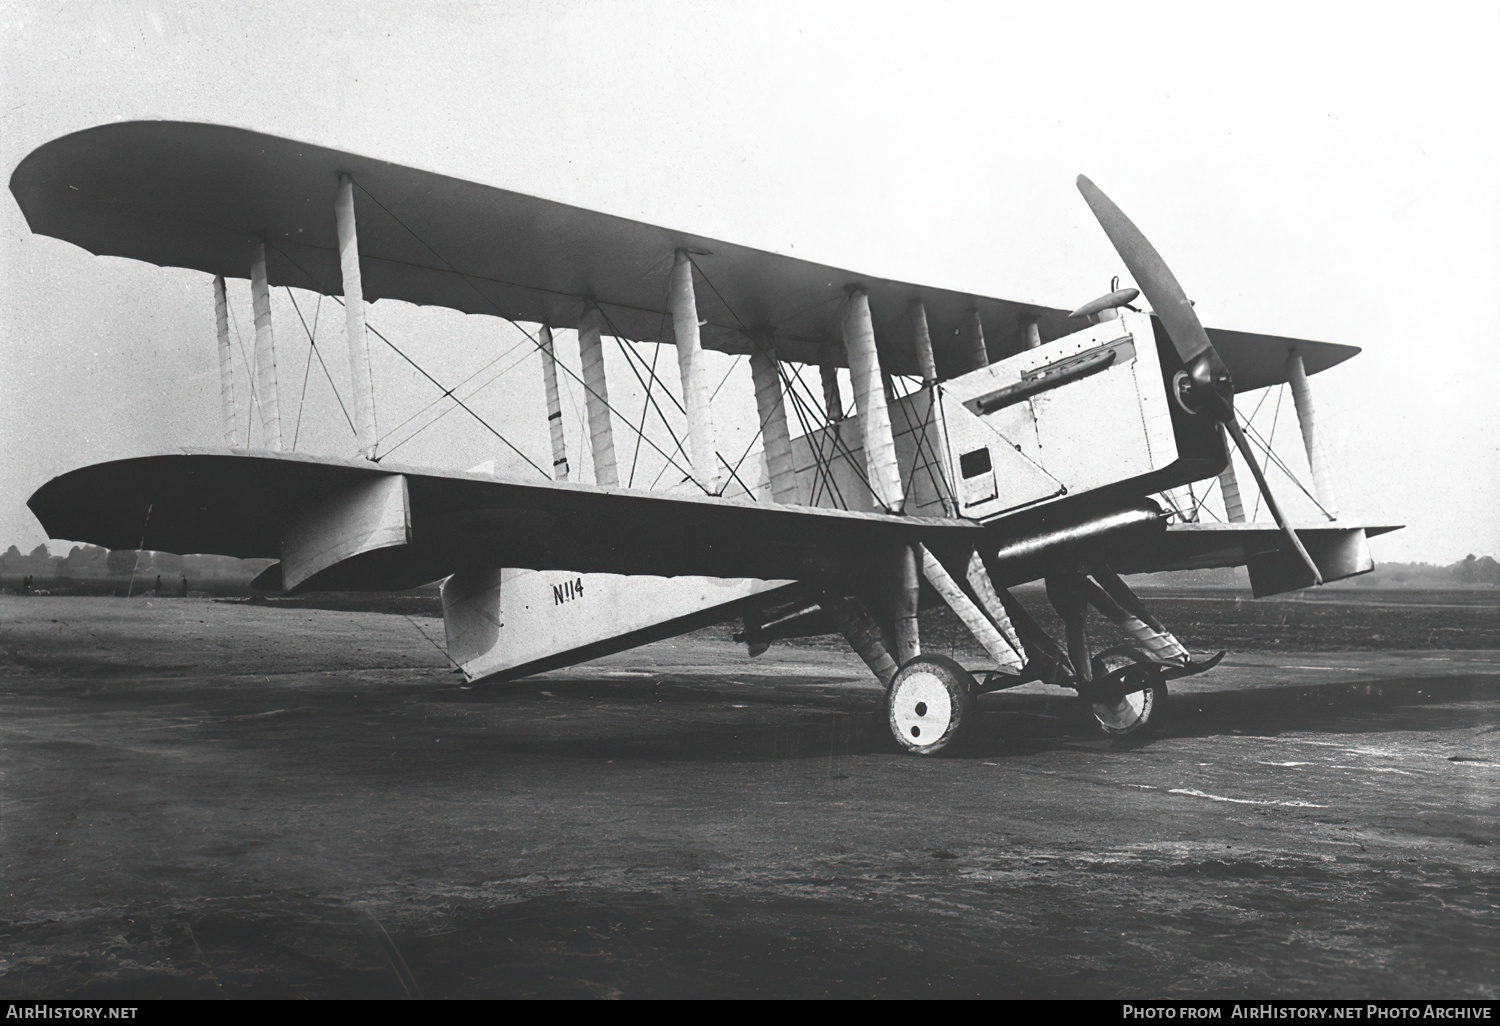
972 464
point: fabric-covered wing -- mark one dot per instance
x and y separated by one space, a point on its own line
1202 546
251 505
193 195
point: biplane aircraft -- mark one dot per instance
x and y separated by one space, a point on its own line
993 443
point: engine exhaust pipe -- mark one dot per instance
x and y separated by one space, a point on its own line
1054 543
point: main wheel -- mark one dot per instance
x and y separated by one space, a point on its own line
1136 699
930 704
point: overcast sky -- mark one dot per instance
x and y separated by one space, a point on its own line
1327 171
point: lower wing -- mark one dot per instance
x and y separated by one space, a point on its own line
355 525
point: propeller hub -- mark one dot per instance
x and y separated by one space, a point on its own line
1204 386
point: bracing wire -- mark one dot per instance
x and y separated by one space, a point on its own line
254 405
468 280
1281 465
1276 416
313 347
924 456
1202 504
480 388
679 446
302 397
306 369
725 379
646 405
447 392
456 387
635 457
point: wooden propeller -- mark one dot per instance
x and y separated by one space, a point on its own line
1211 387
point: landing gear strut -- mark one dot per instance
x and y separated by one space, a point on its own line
930 705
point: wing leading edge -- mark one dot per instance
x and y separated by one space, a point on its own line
197 195
400 527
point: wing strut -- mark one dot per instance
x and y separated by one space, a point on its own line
869 396
596 399
770 405
702 451
1311 441
554 406
265 348
361 383
226 364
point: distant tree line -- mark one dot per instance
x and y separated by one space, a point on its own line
1471 569
1470 572
89 569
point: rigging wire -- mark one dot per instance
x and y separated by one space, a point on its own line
927 461
313 346
1275 417
1265 392
641 435
817 436
468 280
630 357
302 398
709 282
661 330
760 435
725 379
306 369
461 384
635 457
813 444
486 384
239 342
1203 502
824 464
734 476
841 448
1281 465
466 408
807 410
448 392
136 566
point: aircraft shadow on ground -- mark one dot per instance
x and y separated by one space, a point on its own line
833 724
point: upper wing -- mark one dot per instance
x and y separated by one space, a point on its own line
251 505
194 195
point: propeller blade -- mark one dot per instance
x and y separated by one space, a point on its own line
1232 426
1151 273
1210 381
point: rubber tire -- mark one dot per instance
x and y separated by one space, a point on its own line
913 705
1138 714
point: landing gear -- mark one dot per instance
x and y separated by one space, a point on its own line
1127 698
930 704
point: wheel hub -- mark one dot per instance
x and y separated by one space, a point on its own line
1125 712
921 708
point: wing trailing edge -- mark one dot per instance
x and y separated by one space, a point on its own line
354 525
181 194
